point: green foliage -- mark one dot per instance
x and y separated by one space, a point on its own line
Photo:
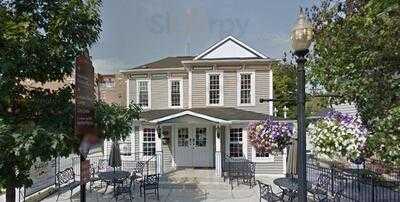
285 87
385 142
356 54
39 41
115 121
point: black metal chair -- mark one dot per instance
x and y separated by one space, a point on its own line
124 188
66 181
150 182
267 194
93 177
321 188
249 174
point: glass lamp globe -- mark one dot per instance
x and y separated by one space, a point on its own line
302 33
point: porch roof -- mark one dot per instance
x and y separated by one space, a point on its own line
214 114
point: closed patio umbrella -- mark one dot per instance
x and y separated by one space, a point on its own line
291 167
114 159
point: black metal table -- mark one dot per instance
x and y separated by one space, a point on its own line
289 185
114 177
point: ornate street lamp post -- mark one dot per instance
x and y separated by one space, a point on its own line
301 36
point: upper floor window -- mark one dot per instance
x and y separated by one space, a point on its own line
214 84
246 88
175 93
143 93
107 83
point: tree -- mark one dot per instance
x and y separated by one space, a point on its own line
384 144
115 121
285 88
39 41
356 54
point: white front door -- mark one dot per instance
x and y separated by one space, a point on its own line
193 147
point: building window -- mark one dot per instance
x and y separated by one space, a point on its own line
236 142
261 156
214 91
183 137
125 147
143 93
201 137
245 88
175 91
107 83
149 142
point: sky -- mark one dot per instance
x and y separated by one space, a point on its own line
136 32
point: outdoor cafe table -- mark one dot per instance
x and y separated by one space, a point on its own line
289 185
114 177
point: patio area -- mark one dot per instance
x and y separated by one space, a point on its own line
181 185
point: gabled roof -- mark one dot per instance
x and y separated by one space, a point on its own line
217 114
168 62
230 48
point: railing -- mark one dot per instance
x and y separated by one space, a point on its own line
357 186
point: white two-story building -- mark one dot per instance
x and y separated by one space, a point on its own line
196 108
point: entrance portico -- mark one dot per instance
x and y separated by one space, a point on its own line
196 138
193 139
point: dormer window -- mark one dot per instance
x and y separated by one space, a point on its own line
214 91
246 88
175 93
143 93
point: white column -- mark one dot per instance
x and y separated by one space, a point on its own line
218 166
159 156
127 93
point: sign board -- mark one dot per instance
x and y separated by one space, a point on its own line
85 171
84 97
42 175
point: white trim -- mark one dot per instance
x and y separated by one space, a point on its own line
221 88
228 141
180 93
132 136
244 142
191 114
225 40
141 133
284 156
127 93
148 92
271 93
190 88
270 158
252 89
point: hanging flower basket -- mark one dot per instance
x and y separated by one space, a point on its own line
338 136
270 136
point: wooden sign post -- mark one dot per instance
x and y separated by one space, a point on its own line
84 113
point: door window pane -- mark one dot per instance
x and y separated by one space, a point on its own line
201 137
183 137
